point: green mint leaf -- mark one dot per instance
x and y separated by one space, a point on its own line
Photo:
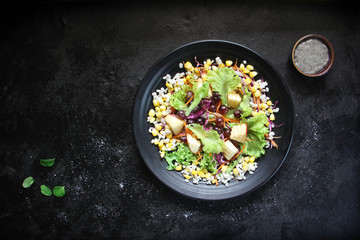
28 182
59 191
47 162
45 190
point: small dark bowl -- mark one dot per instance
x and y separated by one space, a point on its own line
330 49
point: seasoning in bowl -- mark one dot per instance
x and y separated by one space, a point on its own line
313 55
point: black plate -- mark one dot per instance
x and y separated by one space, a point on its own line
169 64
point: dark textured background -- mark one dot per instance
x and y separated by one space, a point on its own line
69 74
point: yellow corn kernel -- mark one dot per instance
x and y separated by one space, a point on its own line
169 145
270 110
154 132
221 65
244 166
252 159
161 144
253 89
169 86
194 173
188 77
249 67
228 63
269 103
156 103
188 65
169 135
224 168
267 124
187 176
235 171
242 67
162 154
214 68
272 117
254 113
152 119
239 85
205 170
158 127
208 62
157 109
162 108
246 159
201 174
246 71
208 175
204 77
184 80
257 93
158 114
247 81
151 113
253 74
156 141
178 168
167 127
264 106
213 181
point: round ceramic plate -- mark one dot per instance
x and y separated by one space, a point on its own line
202 50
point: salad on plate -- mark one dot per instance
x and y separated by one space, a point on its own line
213 120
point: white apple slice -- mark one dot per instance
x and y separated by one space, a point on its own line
175 124
229 150
239 132
233 99
193 143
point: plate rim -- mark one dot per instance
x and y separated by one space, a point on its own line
138 100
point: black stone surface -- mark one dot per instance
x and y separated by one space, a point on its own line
69 73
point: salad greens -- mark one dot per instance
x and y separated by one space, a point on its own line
223 81
213 121
209 138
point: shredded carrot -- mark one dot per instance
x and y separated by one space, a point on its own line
192 97
217 109
242 149
221 166
179 135
274 144
216 181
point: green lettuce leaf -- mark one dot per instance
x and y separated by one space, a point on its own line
208 163
256 134
178 99
210 139
199 93
245 104
182 155
223 81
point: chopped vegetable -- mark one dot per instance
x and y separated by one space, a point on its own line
213 121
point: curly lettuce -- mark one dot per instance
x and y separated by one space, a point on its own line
182 155
223 81
210 139
256 142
